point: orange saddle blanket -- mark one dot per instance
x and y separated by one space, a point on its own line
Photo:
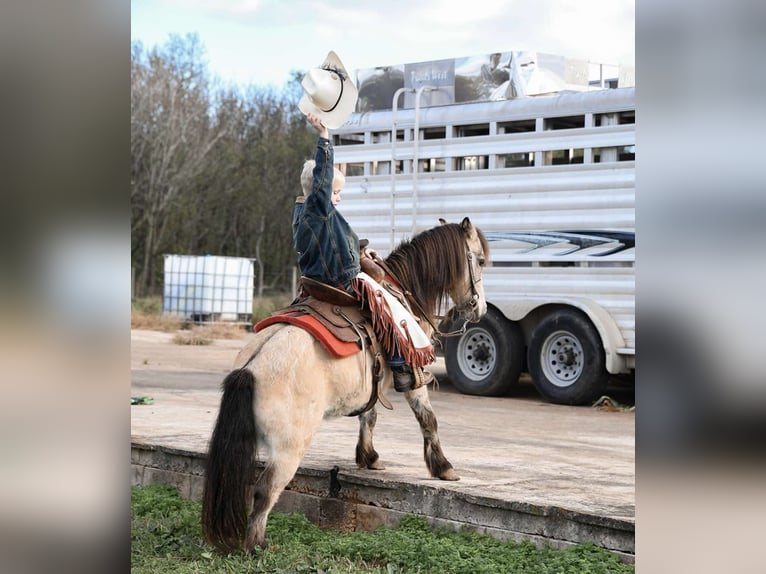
308 323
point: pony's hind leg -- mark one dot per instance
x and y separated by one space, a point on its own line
437 463
366 456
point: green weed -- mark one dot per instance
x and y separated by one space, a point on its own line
265 306
166 538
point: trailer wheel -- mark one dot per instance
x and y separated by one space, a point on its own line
566 359
487 359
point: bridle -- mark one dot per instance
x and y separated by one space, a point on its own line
472 302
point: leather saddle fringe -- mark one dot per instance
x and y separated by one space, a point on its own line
383 323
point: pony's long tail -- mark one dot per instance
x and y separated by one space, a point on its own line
230 466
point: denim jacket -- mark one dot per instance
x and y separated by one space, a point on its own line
328 249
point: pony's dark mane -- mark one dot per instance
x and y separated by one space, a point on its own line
432 263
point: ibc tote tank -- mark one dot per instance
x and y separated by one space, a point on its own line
208 287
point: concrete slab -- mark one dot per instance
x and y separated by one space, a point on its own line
529 469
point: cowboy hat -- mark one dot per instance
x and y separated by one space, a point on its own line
329 93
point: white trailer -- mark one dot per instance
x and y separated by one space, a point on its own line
551 182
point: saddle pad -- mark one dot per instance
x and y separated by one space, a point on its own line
313 326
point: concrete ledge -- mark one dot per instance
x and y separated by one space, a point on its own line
356 500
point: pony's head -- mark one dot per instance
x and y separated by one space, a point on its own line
468 293
446 260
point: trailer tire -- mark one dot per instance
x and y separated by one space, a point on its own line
488 358
566 359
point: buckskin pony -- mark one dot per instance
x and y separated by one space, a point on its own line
284 383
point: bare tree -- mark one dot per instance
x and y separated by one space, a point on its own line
214 170
171 136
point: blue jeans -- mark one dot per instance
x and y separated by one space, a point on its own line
397 360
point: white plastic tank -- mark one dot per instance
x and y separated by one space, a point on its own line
208 288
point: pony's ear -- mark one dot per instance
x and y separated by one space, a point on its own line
467 226
442 221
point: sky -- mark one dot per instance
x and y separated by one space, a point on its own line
262 41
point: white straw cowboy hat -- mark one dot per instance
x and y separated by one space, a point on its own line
329 93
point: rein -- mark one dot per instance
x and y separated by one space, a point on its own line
414 302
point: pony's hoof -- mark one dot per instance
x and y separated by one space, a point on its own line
377 465
449 474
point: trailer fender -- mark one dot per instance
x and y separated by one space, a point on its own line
528 311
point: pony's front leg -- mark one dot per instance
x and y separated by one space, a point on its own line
437 463
275 477
366 456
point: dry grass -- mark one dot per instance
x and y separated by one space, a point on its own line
191 338
148 322
147 314
220 330
204 334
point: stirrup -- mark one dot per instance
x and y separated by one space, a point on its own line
423 377
408 379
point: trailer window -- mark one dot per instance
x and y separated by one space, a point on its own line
626 153
615 118
621 153
611 264
472 130
433 164
556 263
353 169
516 127
564 156
434 133
628 117
512 263
381 168
380 137
577 155
348 139
564 123
526 159
471 162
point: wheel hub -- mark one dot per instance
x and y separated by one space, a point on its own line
562 358
481 352
566 357
476 354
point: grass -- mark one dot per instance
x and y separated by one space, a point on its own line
265 306
166 538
